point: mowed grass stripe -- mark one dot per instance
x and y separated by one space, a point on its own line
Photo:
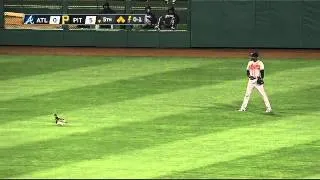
95 119
13 67
155 106
105 93
112 69
194 152
117 70
300 161
121 139
316 176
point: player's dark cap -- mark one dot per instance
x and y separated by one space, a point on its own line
106 5
148 8
254 54
171 9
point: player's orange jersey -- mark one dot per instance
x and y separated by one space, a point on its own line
255 68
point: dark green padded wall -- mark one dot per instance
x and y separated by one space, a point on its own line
238 23
174 39
95 38
26 37
222 23
143 39
1 14
277 24
310 24
205 23
255 23
160 39
244 23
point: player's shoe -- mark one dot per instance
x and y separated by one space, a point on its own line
241 109
269 110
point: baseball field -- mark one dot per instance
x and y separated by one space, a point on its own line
156 114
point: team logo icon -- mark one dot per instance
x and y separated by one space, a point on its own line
28 19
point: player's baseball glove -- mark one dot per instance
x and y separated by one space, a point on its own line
260 81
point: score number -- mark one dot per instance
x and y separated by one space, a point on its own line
135 19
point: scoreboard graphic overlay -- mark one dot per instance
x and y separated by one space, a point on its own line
87 19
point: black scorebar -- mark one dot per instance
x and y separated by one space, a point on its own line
88 19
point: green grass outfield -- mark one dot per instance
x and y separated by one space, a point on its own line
156 118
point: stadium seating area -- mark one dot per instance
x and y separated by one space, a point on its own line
16 8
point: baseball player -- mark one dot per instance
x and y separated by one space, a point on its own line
255 73
150 19
167 1
170 20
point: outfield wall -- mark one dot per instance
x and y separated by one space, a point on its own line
256 23
96 39
214 23
1 16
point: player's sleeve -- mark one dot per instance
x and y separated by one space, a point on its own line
248 71
261 69
248 66
261 65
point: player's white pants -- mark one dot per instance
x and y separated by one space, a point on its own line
251 85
